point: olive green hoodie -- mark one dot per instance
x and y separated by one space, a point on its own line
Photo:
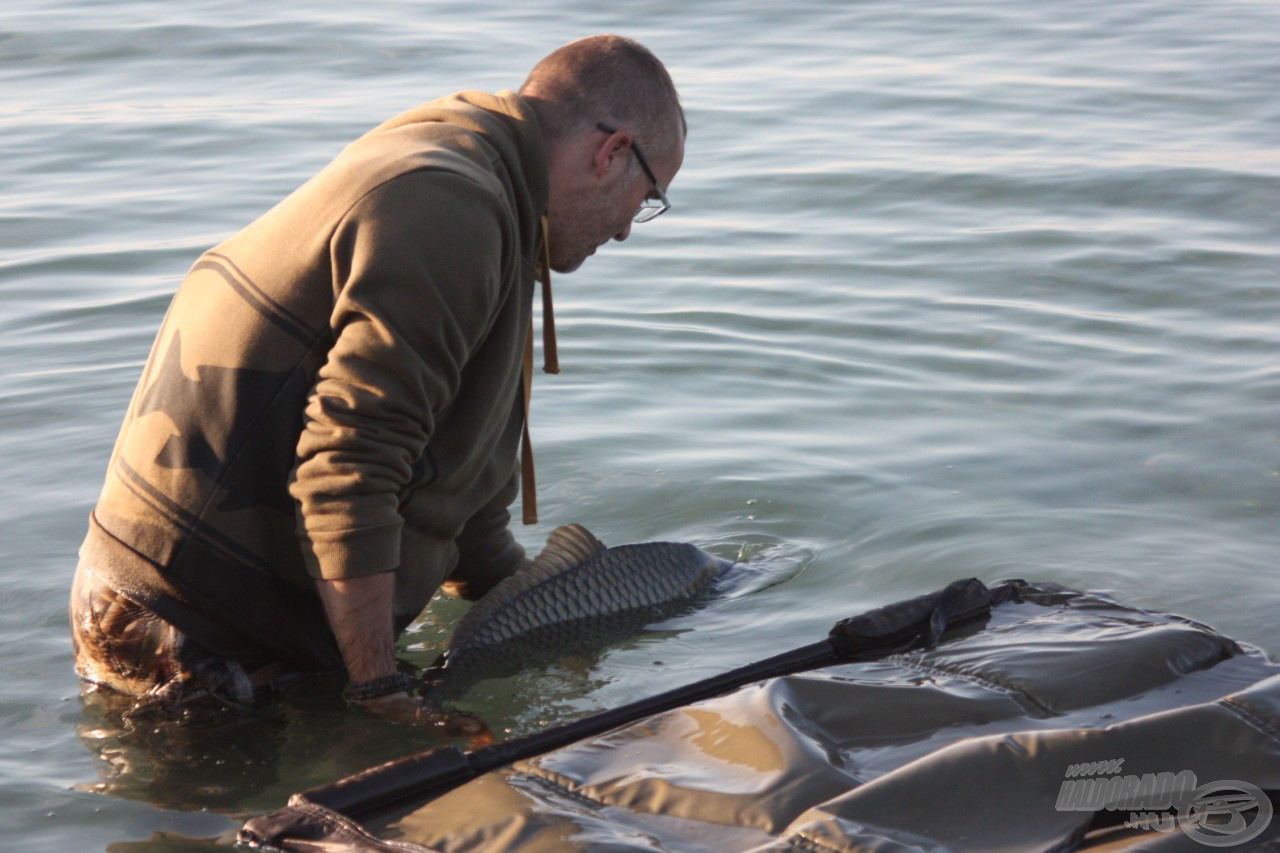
335 392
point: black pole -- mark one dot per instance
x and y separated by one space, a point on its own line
915 623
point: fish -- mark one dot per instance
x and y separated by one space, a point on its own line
575 597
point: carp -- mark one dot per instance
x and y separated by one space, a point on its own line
576 596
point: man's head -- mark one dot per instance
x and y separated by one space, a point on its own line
605 106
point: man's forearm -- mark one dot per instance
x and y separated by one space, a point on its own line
359 611
360 615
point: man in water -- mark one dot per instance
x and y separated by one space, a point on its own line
327 428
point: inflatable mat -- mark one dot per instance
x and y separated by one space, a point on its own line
1016 717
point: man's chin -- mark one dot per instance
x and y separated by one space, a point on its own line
568 266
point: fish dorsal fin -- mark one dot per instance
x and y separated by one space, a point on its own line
566 547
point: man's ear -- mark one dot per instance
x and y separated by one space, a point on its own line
611 154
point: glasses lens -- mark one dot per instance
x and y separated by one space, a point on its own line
650 208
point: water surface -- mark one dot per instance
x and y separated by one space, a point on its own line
967 289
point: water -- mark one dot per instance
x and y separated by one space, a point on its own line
964 289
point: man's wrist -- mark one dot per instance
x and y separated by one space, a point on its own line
376 688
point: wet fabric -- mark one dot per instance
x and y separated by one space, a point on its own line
1000 737
137 658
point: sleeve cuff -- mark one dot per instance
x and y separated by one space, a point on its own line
352 553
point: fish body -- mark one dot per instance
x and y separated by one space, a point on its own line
576 596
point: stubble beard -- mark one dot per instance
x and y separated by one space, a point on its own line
585 229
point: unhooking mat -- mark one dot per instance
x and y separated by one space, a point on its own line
1045 720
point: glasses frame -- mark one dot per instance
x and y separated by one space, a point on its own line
648 211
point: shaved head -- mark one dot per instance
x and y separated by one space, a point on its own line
611 79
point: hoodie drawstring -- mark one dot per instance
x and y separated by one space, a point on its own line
550 364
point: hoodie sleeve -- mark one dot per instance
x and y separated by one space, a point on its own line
417 274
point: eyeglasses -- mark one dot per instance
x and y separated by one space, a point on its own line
650 208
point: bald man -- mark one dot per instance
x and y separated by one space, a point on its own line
329 427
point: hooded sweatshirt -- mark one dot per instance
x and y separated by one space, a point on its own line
335 392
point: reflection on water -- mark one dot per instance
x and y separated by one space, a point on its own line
235 762
985 290
211 757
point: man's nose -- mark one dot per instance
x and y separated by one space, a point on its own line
624 233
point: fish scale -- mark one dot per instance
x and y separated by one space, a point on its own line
575 597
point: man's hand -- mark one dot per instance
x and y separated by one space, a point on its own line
403 708
400 707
